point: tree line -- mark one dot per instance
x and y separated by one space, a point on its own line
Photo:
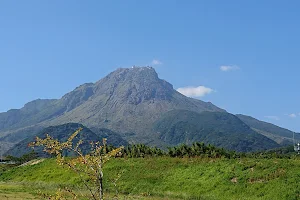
197 149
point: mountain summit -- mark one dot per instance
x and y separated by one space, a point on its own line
135 85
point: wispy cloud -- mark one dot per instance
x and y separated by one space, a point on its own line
199 91
272 117
156 62
293 115
226 68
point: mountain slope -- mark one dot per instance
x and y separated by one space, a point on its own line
62 133
218 128
42 110
33 112
280 135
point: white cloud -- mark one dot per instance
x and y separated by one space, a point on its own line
156 62
272 117
293 115
199 91
226 68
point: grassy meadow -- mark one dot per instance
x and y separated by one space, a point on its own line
166 178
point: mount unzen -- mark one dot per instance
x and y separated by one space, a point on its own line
138 106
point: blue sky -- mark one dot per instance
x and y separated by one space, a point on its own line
47 48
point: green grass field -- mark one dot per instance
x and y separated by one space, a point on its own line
168 178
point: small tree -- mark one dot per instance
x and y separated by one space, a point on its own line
89 165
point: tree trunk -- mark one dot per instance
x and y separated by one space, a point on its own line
101 186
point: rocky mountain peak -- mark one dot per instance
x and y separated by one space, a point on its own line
136 73
135 85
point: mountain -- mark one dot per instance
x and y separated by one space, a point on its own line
62 133
218 128
139 106
128 100
280 135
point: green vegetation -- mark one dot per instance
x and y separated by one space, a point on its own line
218 128
15 192
23 159
177 178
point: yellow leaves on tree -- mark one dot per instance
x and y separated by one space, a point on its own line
88 165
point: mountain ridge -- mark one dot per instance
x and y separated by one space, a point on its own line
282 136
